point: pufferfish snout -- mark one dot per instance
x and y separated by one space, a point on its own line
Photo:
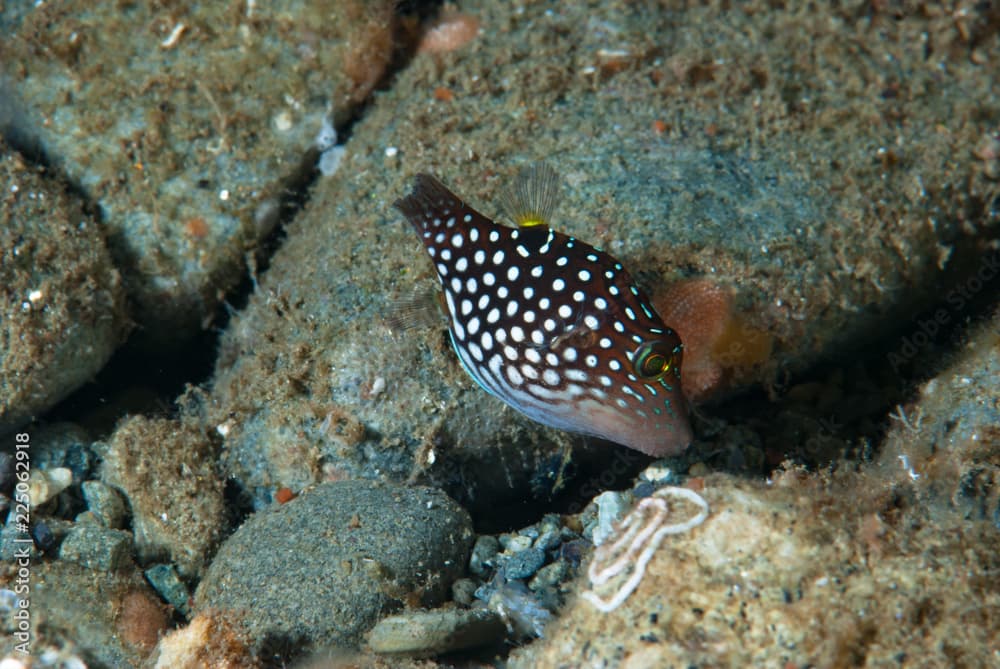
549 324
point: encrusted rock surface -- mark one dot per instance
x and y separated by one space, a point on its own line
323 567
62 306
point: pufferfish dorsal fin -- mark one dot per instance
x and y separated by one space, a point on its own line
532 197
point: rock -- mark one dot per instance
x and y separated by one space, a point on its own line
166 470
483 554
710 192
611 508
833 563
45 484
78 612
463 591
142 621
523 564
426 633
946 442
105 503
166 582
15 539
323 567
515 542
96 547
549 540
189 165
549 576
63 308
64 445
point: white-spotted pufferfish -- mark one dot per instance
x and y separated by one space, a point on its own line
549 324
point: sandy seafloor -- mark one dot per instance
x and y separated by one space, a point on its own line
235 461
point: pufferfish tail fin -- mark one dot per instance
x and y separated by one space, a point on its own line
532 197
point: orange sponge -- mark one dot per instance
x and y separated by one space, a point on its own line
717 340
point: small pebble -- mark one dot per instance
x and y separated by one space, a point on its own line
612 507
548 540
515 543
549 576
573 551
523 612
43 537
13 540
643 489
166 582
531 532
549 523
425 633
43 485
97 547
105 503
463 591
483 552
660 474
523 563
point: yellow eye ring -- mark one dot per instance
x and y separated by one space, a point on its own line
653 359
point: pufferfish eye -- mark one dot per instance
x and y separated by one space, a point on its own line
653 359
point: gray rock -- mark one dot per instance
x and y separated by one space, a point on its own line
483 554
548 539
14 541
424 633
64 445
188 163
514 543
523 563
63 312
81 618
105 503
463 591
166 470
323 567
164 579
549 576
96 547
764 212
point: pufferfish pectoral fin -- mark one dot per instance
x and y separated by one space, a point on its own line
422 308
